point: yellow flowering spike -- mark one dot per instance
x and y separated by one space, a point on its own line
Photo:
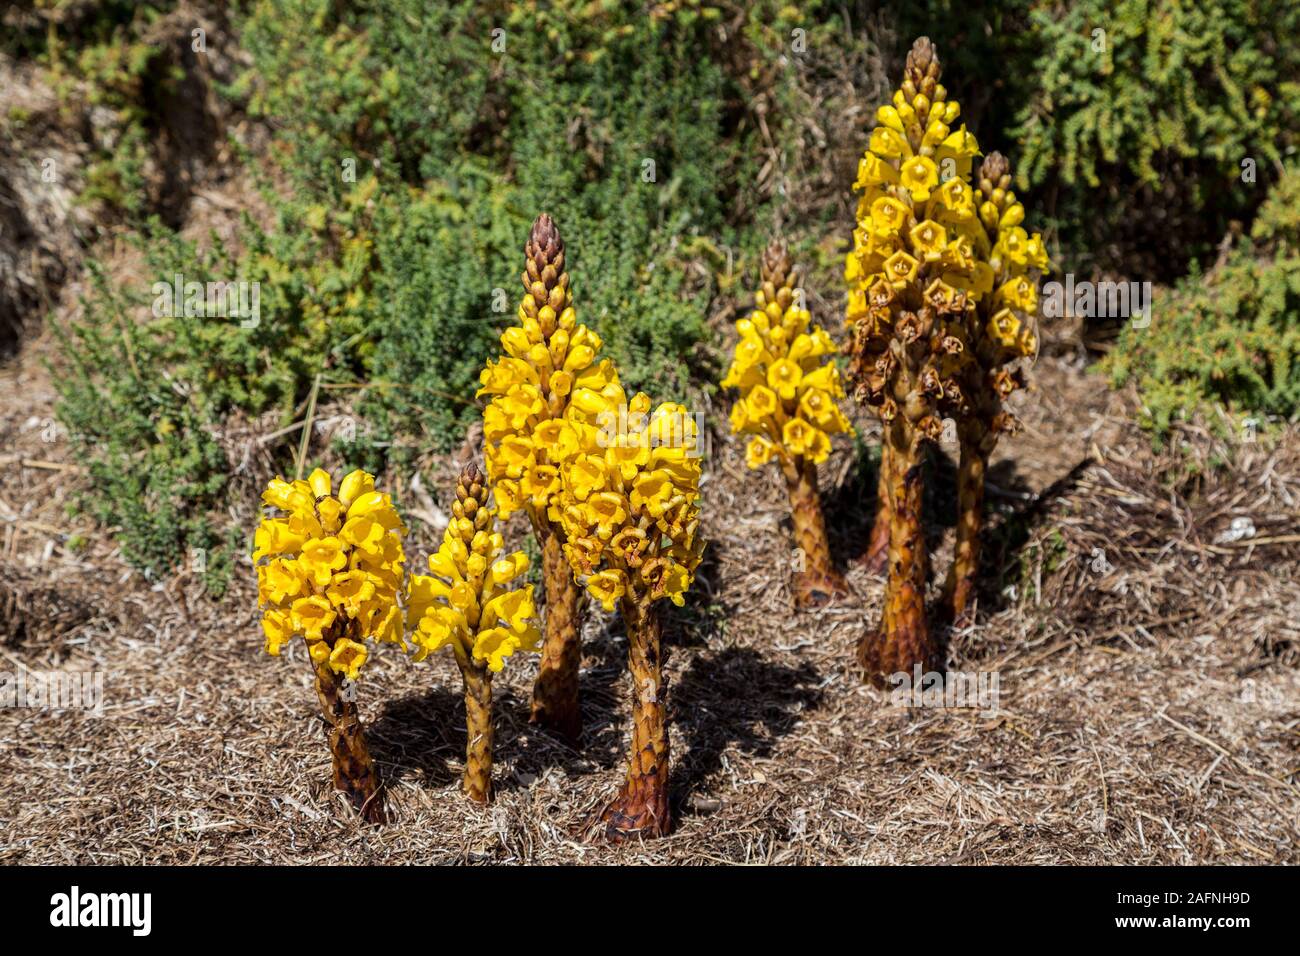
329 569
629 509
470 589
550 376
909 307
550 383
783 367
468 604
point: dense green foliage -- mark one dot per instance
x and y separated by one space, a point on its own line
1128 120
1232 336
611 121
155 466
412 144
1140 84
409 159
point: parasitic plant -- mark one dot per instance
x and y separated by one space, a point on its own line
631 521
788 383
1000 333
468 605
876 557
329 569
548 358
914 274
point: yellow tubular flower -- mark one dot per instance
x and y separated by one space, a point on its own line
468 604
550 381
323 584
784 369
329 569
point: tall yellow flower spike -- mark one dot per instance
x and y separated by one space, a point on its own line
468 605
329 569
1001 332
789 387
549 381
629 505
917 269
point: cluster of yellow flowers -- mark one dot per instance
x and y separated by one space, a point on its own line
917 207
330 568
918 211
628 501
788 383
1013 254
467 604
549 375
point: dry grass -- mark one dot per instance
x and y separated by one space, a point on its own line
1149 712
1149 709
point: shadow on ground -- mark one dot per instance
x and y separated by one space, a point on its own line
1008 527
735 698
417 735
850 507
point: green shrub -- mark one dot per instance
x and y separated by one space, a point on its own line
406 164
439 259
144 386
1230 337
565 119
1146 138
144 434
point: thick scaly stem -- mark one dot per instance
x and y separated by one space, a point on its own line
641 807
970 520
903 638
818 582
478 727
876 558
354 770
991 376
555 693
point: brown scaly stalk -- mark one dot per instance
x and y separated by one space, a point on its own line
876 558
354 770
818 581
977 443
987 383
905 350
478 727
555 692
903 638
641 807
555 703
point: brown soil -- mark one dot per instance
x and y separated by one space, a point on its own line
1149 700
1149 707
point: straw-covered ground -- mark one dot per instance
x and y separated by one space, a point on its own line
1142 615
